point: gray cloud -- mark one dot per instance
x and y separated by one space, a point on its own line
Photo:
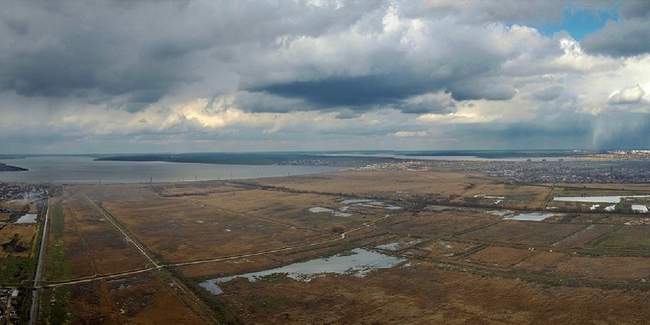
511 11
199 73
144 50
625 38
547 94
438 103
628 36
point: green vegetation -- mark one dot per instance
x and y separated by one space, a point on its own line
57 269
274 277
626 238
58 312
267 302
15 269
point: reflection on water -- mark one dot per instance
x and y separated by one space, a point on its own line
85 170
531 216
27 218
357 262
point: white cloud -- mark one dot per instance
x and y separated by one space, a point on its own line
630 95
410 134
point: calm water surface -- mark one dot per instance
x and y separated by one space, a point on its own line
357 262
86 170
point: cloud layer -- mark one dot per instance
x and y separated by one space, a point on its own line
120 76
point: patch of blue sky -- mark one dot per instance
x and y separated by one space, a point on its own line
580 22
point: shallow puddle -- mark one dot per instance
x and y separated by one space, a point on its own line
530 216
396 246
358 262
27 218
331 211
320 210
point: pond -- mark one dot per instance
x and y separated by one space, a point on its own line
357 262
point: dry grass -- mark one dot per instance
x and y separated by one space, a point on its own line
500 256
380 182
526 233
141 299
23 234
91 245
610 268
425 295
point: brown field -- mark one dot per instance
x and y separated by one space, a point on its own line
440 248
627 237
443 223
422 294
583 237
387 182
604 187
615 267
462 265
140 299
542 261
4 217
17 239
229 221
267 261
515 196
91 245
500 256
632 220
525 233
587 218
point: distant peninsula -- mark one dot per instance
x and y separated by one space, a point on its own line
9 168
304 159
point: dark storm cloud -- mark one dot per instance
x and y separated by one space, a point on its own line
351 91
482 89
635 9
71 49
624 38
512 11
626 130
144 50
628 36
134 73
401 80
135 53
579 130
559 131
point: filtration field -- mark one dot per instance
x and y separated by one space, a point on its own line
415 247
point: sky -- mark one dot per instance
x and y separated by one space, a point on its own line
184 76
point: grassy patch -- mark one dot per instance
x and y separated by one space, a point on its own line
57 267
273 277
266 302
15 269
621 241
627 238
54 308
58 311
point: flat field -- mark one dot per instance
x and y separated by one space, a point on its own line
434 248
